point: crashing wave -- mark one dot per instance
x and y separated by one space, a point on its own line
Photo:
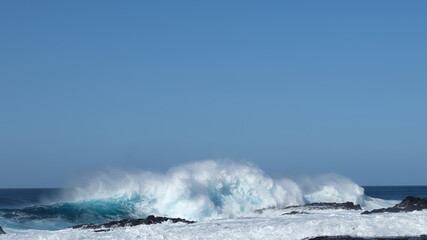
195 191
214 189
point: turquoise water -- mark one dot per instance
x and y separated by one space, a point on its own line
43 209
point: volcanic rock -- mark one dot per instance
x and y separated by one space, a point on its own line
314 206
345 206
130 223
294 212
422 237
409 204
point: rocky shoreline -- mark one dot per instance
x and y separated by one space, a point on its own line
422 237
316 206
409 204
130 223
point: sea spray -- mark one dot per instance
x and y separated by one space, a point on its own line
208 189
331 188
200 191
213 189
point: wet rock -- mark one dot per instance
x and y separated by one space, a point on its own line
130 223
1 231
345 206
336 238
294 212
422 237
408 204
315 206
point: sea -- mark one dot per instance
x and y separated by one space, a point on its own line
223 198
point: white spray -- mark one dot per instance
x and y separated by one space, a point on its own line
214 189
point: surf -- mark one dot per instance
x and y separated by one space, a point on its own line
198 191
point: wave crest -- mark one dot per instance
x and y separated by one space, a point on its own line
214 189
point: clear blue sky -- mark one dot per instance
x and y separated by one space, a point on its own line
301 87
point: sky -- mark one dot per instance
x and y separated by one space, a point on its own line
295 87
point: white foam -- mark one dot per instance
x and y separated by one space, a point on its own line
200 190
302 226
375 203
215 189
332 188
223 197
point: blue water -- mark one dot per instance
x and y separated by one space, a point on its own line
42 209
395 192
23 197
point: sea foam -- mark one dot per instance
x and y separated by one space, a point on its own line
213 189
291 227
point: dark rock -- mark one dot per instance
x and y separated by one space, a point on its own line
324 206
413 203
336 238
317 206
129 223
345 206
294 212
1 231
422 237
408 204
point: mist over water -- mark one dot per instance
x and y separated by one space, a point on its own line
201 191
211 189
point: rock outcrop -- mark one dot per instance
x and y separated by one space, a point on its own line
130 222
408 204
294 213
2 231
422 237
314 206
345 206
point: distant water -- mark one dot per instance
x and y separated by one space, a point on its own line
209 192
42 208
395 192
23 197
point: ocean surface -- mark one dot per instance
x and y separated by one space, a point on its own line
395 192
18 198
221 197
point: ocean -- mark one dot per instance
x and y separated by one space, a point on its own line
224 199
395 192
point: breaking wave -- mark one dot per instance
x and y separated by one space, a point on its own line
215 189
196 191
